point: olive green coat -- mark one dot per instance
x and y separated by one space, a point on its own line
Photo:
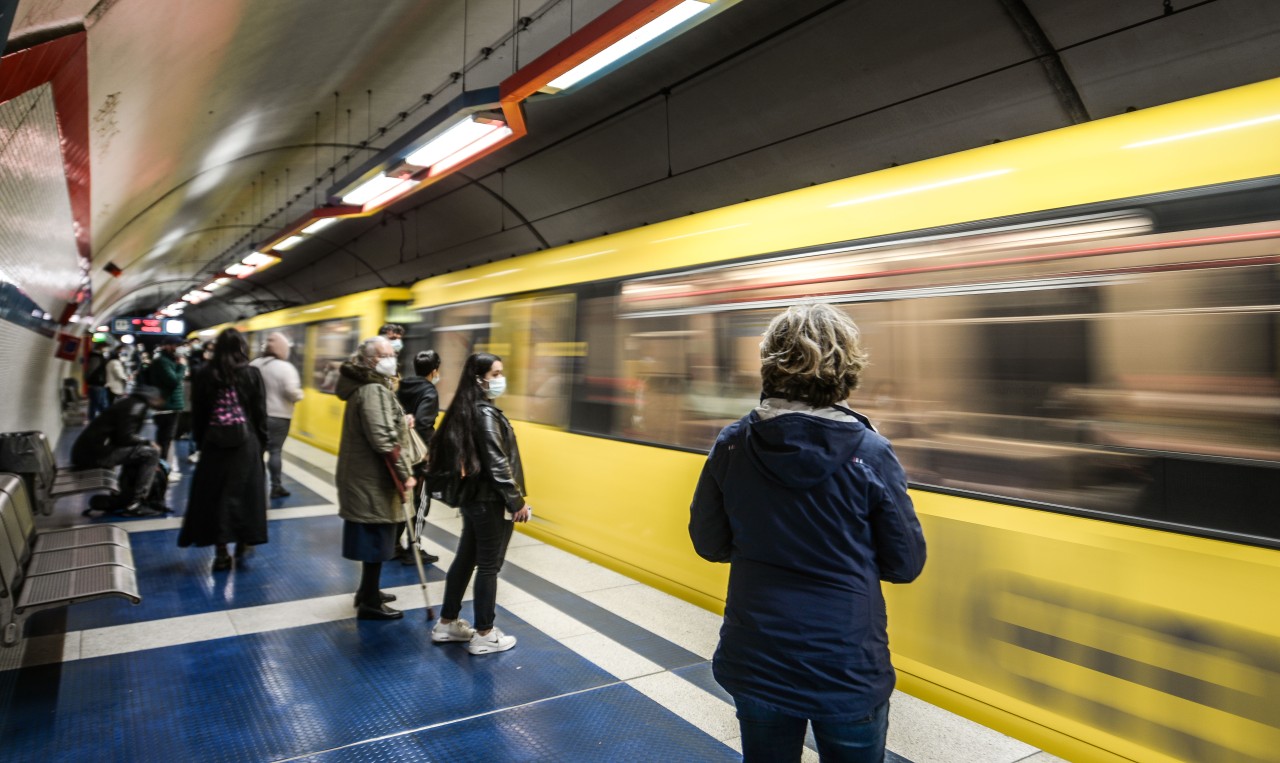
374 436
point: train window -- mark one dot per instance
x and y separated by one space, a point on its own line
457 332
335 343
535 337
1143 381
297 336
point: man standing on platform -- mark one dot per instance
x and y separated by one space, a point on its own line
284 389
166 372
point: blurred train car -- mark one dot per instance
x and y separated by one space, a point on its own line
1075 341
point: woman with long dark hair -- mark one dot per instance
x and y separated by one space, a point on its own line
228 501
475 450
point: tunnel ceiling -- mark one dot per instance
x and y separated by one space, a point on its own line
212 124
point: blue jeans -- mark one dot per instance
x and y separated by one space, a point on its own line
772 737
99 401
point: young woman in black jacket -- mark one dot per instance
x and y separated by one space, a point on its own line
476 447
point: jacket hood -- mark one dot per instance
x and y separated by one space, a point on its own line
802 448
352 377
278 345
413 385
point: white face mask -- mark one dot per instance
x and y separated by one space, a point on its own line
386 366
435 378
397 345
496 387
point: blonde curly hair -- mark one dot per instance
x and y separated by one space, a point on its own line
811 353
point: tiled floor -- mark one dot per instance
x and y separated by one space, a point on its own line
267 662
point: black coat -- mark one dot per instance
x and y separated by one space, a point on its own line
228 500
116 427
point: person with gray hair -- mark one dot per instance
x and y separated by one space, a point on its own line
374 474
809 506
284 389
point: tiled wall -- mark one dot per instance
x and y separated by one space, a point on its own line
38 256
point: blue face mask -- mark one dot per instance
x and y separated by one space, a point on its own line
496 387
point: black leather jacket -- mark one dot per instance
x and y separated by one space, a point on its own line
500 456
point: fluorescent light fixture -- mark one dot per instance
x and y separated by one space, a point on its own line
285 245
919 188
318 225
1206 131
258 259
104 329
391 194
453 140
470 150
239 270
371 189
214 286
629 44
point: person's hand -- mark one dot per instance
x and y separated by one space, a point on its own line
523 514
408 417
410 483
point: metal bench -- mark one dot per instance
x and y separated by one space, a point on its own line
55 568
29 454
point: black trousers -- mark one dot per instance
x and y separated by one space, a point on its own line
166 428
486 531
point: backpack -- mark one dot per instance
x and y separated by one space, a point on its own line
97 372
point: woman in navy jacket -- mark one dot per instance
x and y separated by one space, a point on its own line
809 505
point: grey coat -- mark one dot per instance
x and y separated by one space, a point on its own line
374 436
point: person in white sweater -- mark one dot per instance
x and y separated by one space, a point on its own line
284 389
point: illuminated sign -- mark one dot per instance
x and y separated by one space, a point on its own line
169 326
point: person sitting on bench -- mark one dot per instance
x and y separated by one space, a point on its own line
113 439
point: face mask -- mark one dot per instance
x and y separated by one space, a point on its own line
435 378
182 352
397 345
386 367
496 387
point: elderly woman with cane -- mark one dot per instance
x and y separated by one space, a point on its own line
375 472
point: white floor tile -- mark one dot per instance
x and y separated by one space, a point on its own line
548 619
923 733
611 656
118 639
676 620
570 572
712 715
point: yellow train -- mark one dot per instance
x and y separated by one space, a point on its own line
1076 352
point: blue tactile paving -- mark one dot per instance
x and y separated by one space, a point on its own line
302 561
614 723
274 695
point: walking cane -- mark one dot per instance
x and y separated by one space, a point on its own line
417 551
405 495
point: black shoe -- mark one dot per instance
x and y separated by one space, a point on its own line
386 597
139 510
221 563
382 612
429 558
279 492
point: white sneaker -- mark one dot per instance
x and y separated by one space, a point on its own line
175 476
194 457
458 630
494 641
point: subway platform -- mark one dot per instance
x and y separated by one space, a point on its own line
268 663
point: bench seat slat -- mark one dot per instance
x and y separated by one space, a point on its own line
52 562
78 585
76 537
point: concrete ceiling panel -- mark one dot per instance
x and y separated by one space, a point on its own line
1203 50
857 58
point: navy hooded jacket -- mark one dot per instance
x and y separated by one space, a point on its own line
810 507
